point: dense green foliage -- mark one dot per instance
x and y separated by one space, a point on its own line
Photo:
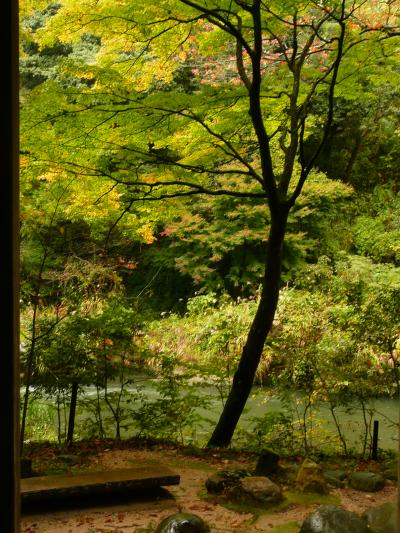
144 217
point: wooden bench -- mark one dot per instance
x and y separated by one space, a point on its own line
143 478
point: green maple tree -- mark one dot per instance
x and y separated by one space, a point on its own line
188 98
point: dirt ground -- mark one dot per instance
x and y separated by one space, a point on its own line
140 514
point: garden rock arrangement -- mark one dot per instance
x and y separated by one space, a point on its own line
262 488
332 519
256 487
362 481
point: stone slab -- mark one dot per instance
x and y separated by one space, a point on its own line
42 488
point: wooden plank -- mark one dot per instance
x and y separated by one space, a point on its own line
88 483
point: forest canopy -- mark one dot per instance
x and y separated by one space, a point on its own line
210 188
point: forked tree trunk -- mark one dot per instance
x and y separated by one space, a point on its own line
244 376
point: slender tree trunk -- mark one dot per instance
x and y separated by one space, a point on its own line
58 418
98 412
28 377
305 436
30 364
353 156
72 411
338 428
244 376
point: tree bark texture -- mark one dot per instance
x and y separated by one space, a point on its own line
72 411
252 351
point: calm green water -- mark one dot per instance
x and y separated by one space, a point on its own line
352 425
384 410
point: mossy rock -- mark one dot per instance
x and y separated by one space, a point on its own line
382 519
288 472
332 519
310 478
183 523
366 481
389 470
336 478
224 479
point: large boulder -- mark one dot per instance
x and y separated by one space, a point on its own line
310 478
259 490
366 481
182 523
332 519
382 519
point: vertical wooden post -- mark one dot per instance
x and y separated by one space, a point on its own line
9 280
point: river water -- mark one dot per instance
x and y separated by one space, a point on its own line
262 401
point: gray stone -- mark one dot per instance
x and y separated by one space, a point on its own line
267 463
259 489
366 481
335 478
382 519
182 523
310 478
332 519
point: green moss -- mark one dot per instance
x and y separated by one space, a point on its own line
244 508
291 498
289 527
306 498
